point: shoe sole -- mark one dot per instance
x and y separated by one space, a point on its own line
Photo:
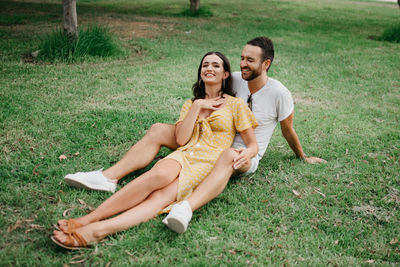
65 246
176 225
72 182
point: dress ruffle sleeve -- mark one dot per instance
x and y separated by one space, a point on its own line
185 109
243 118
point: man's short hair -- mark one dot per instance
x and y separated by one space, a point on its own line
266 46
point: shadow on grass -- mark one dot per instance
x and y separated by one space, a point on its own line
14 13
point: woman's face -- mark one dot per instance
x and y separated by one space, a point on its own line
212 70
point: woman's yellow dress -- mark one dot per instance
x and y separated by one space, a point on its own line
211 136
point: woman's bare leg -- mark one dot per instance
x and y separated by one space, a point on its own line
143 212
144 151
161 175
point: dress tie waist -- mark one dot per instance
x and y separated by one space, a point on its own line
207 135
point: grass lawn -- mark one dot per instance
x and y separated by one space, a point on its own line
346 88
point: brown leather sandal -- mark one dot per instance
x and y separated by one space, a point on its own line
72 224
70 244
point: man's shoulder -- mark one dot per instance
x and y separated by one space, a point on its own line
274 83
276 86
236 75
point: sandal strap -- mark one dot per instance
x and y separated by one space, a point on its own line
73 224
81 241
74 236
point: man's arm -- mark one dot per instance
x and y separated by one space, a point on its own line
293 140
242 161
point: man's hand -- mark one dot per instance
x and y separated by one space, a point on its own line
242 158
314 160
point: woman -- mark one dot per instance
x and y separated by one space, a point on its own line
206 127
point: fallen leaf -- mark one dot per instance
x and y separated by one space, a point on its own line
76 154
130 254
316 190
336 241
65 213
264 201
34 172
232 251
35 226
77 262
394 241
13 227
108 264
82 202
300 258
297 194
62 157
369 261
213 238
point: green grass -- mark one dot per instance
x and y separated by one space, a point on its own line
391 34
346 92
94 41
204 11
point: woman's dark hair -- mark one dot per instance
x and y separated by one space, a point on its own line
199 89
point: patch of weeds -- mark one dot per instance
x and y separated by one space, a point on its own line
94 41
391 34
11 19
204 11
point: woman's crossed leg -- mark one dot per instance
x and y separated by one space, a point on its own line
138 201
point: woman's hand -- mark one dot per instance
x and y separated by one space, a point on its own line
212 103
242 159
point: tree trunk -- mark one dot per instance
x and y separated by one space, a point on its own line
194 6
70 18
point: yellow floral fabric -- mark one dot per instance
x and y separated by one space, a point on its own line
211 136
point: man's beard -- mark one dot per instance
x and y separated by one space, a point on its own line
253 74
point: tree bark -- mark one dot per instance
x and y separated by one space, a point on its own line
70 18
194 6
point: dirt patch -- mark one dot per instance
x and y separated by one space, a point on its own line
126 29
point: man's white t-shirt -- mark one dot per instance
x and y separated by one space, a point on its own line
270 104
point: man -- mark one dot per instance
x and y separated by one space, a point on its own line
267 98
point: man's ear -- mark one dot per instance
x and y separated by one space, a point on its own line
266 63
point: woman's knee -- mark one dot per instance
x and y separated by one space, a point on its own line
228 155
162 133
162 175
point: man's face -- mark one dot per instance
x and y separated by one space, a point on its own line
251 64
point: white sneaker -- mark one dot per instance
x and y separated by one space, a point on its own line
94 180
179 217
